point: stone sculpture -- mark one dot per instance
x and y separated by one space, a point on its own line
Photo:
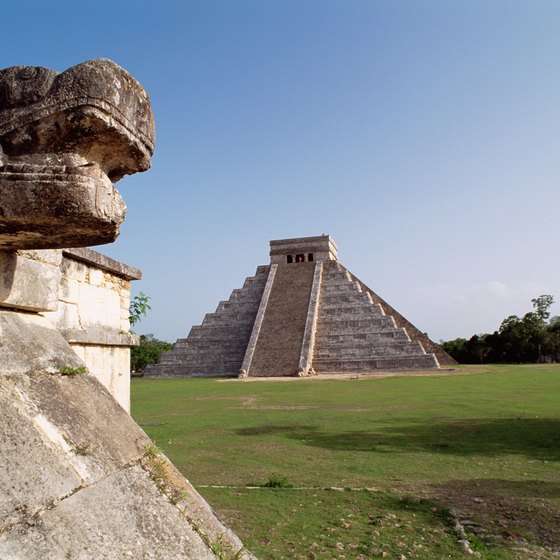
64 139
79 478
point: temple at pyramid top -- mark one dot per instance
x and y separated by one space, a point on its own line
302 314
303 249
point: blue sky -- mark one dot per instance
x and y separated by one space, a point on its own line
424 136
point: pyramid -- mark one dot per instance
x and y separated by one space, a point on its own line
304 313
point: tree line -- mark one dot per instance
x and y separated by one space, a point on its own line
533 338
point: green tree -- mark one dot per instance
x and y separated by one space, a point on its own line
147 352
553 339
138 306
542 306
522 338
531 338
476 350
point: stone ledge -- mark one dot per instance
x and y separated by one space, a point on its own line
89 256
100 337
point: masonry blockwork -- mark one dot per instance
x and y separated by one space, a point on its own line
305 313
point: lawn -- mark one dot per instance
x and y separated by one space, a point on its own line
393 467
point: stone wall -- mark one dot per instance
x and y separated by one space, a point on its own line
86 296
92 315
79 478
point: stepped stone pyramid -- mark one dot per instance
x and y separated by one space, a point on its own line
304 313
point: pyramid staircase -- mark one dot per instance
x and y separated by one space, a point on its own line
278 350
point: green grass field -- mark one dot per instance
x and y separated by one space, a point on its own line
395 467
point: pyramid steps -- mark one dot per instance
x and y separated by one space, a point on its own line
198 370
370 351
426 361
430 346
218 332
195 355
352 300
362 337
354 333
195 345
360 325
217 346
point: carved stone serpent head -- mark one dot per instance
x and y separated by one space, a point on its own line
65 138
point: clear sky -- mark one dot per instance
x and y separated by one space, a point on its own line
422 135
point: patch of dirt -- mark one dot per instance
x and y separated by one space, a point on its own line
216 398
512 512
354 376
340 408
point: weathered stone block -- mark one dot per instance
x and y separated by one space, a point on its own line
30 342
76 476
111 364
29 279
93 313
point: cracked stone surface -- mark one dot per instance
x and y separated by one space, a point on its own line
80 479
150 529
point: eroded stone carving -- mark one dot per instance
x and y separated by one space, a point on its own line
64 139
79 478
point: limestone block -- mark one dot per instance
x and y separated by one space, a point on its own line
91 318
66 315
47 256
99 306
29 341
125 312
81 352
74 270
24 441
96 277
111 366
118 271
83 522
76 478
29 280
93 282
69 290
124 324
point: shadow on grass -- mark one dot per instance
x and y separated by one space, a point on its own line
537 438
